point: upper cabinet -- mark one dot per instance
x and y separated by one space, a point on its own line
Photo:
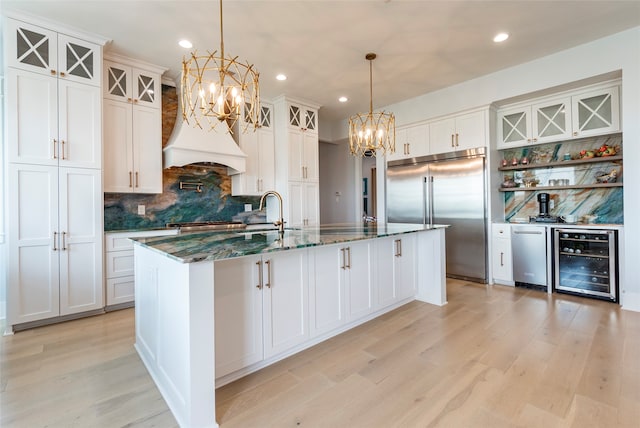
67 114
259 146
303 118
44 51
596 112
576 114
132 127
130 84
460 132
53 97
411 141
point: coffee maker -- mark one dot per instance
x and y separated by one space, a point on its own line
543 212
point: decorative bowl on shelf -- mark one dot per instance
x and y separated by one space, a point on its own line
604 177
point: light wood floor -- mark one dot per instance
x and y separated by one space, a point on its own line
493 357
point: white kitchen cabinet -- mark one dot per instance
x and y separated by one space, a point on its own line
596 112
132 128
67 114
261 308
259 146
411 141
501 261
48 52
544 121
297 148
358 277
341 285
119 264
55 242
302 117
238 313
396 264
286 301
551 120
572 114
461 132
304 208
131 84
327 289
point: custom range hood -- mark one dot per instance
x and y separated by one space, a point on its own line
188 144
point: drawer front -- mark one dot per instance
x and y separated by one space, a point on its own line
119 264
120 290
118 241
501 231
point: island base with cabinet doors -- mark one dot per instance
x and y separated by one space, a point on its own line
222 319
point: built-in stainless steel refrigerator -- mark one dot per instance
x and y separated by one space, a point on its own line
445 189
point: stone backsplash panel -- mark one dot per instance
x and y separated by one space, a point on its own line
605 203
213 203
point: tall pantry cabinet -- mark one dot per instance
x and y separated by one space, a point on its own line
297 148
54 186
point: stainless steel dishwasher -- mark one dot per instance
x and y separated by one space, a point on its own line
529 247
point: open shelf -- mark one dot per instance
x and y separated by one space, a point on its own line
561 163
574 186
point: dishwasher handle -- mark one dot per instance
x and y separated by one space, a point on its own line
527 232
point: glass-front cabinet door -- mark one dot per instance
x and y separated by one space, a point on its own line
129 84
32 48
551 120
44 51
514 127
596 112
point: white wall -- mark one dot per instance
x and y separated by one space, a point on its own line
3 245
617 52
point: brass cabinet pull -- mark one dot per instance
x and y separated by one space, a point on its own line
129 99
398 243
62 74
349 258
53 72
55 239
452 145
55 142
268 263
259 286
457 140
62 148
501 258
135 100
64 241
137 181
130 179
343 266
575 133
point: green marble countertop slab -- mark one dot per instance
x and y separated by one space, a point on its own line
203 246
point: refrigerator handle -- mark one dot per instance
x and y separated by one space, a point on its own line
425 200
430 191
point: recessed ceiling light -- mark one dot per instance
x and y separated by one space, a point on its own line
281 77
185 44
500 37
343 99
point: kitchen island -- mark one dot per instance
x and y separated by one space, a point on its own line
271 294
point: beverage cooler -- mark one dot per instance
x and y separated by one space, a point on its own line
585 263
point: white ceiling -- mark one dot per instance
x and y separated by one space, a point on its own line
422 46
